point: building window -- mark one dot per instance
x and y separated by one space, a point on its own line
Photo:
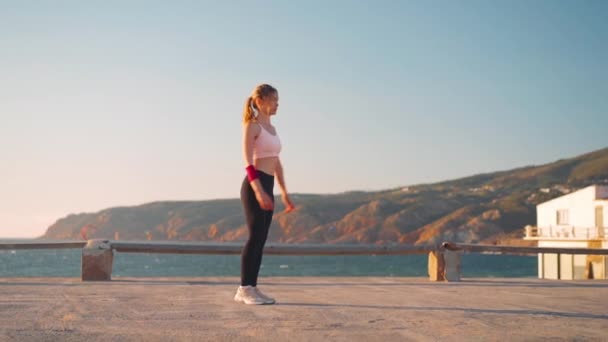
563 217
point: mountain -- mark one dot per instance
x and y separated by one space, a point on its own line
489 208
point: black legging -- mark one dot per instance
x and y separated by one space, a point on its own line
258 223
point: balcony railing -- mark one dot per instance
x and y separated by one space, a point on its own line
564 232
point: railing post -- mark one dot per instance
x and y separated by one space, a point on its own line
452 265
436 267
97 258
444 265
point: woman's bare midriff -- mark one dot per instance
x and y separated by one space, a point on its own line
267 165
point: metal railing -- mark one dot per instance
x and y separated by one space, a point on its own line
271 248
97 255
480 248
15 245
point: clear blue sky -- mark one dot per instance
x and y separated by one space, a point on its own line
111 103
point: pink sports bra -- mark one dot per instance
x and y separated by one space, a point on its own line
266 145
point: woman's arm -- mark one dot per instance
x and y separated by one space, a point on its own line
280 175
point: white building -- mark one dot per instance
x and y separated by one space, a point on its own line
575 220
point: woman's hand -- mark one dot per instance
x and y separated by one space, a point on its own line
289 207
264 200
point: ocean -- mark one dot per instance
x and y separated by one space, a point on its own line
67 263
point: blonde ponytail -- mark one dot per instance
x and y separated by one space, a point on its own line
248 114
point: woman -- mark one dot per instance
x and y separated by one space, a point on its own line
261 148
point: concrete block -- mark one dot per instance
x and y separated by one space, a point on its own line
97 259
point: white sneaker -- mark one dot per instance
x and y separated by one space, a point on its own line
267 300
248 295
